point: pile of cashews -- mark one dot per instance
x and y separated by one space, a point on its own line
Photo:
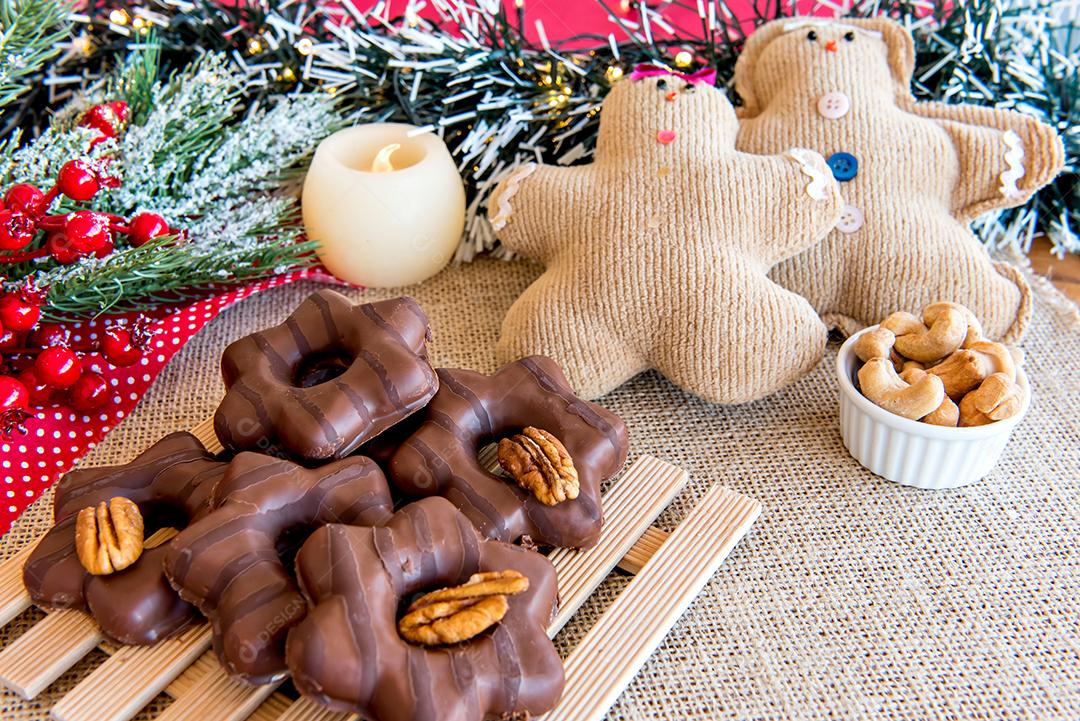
940 369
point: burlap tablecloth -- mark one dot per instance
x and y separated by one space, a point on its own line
851 598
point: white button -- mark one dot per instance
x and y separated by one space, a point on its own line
851 219
833 105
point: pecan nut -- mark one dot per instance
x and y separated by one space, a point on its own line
455 614
109 537
540 464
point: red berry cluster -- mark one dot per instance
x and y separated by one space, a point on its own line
42 367
82 233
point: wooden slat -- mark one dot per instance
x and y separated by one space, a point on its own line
643 550
41 655
13 596
218 697
119 688
630 505
304 710
205 433
622 640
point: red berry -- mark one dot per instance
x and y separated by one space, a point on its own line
41 394
58 366
91 391
25 197
117 347
9 339
77 180
18 313
102 119
46 335
60 248
13 395
144 227
87 231
105 250
16 229
120 110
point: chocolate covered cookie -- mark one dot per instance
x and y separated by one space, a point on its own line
234 562
559 449
476 612
170 483
329 378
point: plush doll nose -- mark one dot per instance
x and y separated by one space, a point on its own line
672 96
831 46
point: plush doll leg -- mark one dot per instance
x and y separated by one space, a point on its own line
543 322
751 342
933 258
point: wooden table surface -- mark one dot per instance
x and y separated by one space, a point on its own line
1064 273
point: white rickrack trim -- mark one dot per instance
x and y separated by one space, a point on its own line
819 23
819 181
503 212
1014 156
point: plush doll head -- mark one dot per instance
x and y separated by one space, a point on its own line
912 174
668 115
807 58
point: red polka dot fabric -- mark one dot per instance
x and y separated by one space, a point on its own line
58 437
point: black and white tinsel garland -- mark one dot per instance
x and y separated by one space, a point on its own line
465 70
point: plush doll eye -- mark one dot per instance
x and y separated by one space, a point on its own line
661 84
811 36
849 36
689 88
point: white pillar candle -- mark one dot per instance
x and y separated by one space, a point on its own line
386 207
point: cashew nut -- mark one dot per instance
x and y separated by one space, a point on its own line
877 343
997 398
947 414
974 330
901 323
880 383
965 369
945 335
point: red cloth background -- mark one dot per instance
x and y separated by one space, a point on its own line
57 438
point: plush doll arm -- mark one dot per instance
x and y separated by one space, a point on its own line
791 200
1005 156
528 208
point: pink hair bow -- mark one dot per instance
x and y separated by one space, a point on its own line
705 75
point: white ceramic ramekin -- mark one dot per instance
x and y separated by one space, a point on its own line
913 453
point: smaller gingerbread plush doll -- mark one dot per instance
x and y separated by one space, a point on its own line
913 175
657 253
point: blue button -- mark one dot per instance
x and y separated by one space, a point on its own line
844 166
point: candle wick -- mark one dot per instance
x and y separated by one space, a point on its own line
382 163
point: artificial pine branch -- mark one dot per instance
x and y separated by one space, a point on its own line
29 33
192 154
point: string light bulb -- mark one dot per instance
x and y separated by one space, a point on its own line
254 46
683 58
613 74
118 16
305 46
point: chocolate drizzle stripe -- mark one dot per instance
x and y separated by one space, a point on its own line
279 367
371 314
298 336
130 477
425 543
253 399
509 664
383 540
230 573
361 629
332 330
303 401
421 686
470 543
466 394
384 378
465 680
275 587
576 405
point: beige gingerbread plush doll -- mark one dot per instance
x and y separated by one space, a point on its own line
657 252
912 174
